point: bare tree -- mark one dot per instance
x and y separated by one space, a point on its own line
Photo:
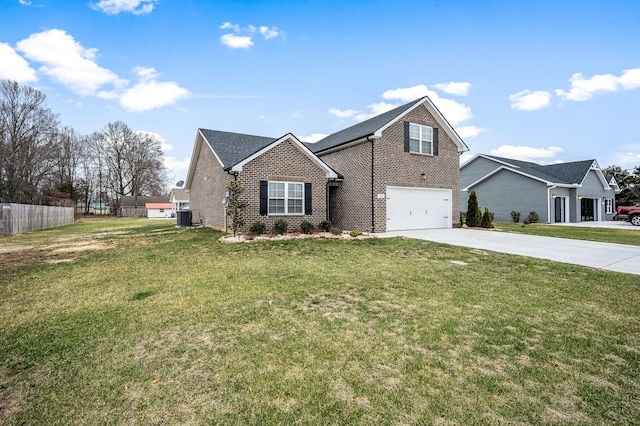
133 161
27 137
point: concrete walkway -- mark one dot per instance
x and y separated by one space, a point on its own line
608 256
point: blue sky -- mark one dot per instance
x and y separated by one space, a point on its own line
544 81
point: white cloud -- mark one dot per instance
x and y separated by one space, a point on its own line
348 113
25 2
177 165
627 160
314 137
230 26
527 100
14 66
269 32
148 95
525 153
466 132
67 61
236 42
455 112
242 39
113 7
460 88
583 89
408 94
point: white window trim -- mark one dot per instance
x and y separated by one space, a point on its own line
421 140
286 199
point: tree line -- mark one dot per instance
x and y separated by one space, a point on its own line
44 162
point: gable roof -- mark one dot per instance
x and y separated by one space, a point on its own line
374 127
159 205
231 148
234 150
179 194
570 174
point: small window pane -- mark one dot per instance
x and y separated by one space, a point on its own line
426 133
414 145
276 206
276 189
414 131
295 206
295 190
426 147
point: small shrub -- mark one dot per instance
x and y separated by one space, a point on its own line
486 221
515 216
250 235
281 226
355 233
258 228
473 215
335 231
325 225
306 227
533 217
527 220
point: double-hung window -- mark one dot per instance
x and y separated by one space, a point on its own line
286 198
420 139
608 206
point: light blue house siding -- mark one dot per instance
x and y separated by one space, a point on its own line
498 196
565 192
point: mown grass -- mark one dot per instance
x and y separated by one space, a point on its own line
160 325
605 235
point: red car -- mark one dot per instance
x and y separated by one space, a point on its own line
630 213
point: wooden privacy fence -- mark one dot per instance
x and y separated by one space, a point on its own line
21 218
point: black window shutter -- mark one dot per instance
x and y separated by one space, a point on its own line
406 136
435 141
307 199
264 197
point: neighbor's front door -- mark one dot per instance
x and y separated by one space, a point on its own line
588 209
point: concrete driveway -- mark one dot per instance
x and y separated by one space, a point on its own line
608 256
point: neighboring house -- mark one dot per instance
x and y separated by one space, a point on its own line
94 208
131 206
179 197
398 170
160 210
566 192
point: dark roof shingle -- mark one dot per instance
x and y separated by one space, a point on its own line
562 173
360 130
232 148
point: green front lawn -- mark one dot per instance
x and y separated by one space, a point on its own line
138 322
605 235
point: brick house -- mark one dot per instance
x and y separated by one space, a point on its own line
398 170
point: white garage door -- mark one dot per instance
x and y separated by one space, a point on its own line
418 208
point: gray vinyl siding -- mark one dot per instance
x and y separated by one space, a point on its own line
592 188
475 170
499 196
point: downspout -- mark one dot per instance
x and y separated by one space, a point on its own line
549 188
226 195
326 213
373 213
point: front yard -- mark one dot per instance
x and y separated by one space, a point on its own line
629 236
138 322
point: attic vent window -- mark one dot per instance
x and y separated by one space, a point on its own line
420 139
